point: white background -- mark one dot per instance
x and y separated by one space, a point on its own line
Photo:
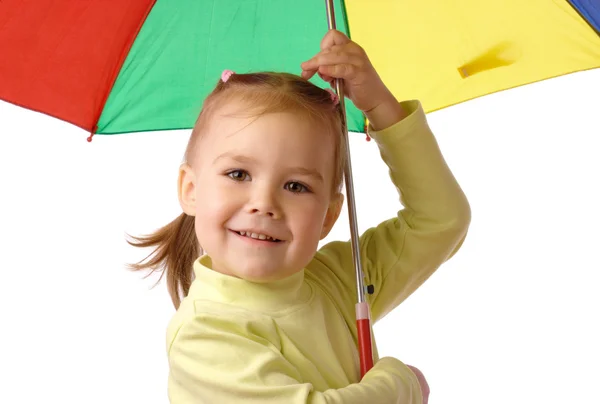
513 318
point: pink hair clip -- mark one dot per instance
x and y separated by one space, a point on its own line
334 96
226 75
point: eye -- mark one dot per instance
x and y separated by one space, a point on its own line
238 175
296 187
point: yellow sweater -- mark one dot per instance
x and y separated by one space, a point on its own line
294 341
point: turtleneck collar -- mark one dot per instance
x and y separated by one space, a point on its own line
273 296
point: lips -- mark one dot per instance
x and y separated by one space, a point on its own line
257 236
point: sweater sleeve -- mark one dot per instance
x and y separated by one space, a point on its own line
400 254
214 359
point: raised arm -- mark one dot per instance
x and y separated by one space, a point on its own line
401 253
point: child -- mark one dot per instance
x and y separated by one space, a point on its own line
266 317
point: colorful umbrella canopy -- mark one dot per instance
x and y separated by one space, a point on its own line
116 66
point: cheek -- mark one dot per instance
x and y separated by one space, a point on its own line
212 214
309 223
215 202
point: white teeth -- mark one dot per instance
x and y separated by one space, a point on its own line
256 236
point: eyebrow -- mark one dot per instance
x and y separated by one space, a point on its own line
250 160
308 172
237 157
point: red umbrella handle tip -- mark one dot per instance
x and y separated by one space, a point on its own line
365 346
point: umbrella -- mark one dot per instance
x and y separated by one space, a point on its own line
116 67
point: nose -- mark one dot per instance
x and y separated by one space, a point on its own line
264 201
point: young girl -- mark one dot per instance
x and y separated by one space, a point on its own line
266 318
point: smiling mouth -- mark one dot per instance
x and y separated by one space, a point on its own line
257 236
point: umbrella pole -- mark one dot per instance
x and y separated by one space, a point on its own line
362 307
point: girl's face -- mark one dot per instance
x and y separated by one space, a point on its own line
260 191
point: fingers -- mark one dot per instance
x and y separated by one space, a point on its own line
339 71
339 58
327 58
334 37
336 62
307 74
325 78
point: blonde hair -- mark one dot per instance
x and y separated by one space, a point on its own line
175 246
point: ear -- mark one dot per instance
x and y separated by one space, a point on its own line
333 212
186 189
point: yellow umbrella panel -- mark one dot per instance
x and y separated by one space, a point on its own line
444 52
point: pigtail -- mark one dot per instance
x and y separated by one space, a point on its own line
175 248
